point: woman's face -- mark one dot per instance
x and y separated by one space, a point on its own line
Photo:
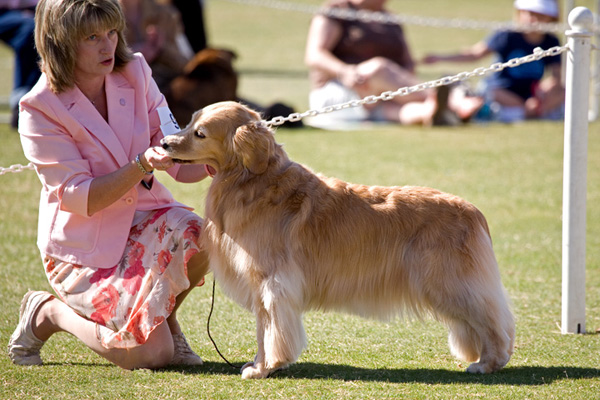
96 55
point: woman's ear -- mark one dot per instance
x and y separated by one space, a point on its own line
252 144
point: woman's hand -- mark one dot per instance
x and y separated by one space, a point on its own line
156 158
351 77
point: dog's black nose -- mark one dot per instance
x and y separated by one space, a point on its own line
165 145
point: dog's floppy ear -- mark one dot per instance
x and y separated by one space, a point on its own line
252 144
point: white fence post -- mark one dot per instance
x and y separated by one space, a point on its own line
575 170
595 81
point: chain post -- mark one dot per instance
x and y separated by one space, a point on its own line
575 170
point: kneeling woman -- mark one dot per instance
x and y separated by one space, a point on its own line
118 250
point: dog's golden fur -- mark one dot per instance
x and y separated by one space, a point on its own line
283 240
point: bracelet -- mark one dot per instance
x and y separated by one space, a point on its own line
140 166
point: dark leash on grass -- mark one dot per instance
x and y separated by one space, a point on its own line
212 306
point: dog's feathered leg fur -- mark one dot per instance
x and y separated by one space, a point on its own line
483 330
280 333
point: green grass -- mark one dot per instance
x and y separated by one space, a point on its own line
513 173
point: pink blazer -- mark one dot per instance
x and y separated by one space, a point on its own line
70 143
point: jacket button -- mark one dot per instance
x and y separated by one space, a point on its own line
129 200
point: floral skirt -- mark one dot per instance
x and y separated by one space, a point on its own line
138 294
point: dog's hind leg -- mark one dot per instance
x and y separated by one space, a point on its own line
465 343
280 333
484 339
496 330
476 311
484 329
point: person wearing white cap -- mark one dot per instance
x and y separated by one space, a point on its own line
544 7
531 90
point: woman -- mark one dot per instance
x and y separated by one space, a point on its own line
531 90
350 59
118 250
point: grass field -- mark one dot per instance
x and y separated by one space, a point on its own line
513 173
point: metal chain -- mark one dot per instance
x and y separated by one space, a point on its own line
387 18
16 168
537 54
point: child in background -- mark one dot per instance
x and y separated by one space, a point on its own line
531 90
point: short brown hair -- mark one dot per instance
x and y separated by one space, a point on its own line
61 24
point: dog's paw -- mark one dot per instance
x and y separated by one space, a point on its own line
480 368
251 371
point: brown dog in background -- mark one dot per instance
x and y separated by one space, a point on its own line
209 77
283 240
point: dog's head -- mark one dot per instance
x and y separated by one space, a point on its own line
226 136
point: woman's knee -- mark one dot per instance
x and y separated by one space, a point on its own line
159 357
198 266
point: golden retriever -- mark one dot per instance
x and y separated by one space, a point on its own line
283 240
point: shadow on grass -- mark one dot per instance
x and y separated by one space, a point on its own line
513 376
526 376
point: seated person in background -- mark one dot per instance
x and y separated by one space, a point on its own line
192 16
352 59
16 30
155 29
521 92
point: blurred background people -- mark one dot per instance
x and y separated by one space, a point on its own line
16 30
155 29
350 59
192 17
531 90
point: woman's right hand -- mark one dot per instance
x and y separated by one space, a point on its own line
156 158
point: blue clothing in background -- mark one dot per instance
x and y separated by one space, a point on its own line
16 30
523 79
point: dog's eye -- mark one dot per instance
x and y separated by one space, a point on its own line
200 134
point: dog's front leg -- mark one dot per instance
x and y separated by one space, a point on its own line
256 369
280 333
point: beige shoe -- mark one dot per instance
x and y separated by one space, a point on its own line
184 355
24 347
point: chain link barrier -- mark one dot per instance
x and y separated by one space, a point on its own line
447 80
16 168
386 96
398 19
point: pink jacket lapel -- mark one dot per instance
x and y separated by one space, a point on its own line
115 136
121 110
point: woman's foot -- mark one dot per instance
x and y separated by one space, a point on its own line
183 353
24 347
